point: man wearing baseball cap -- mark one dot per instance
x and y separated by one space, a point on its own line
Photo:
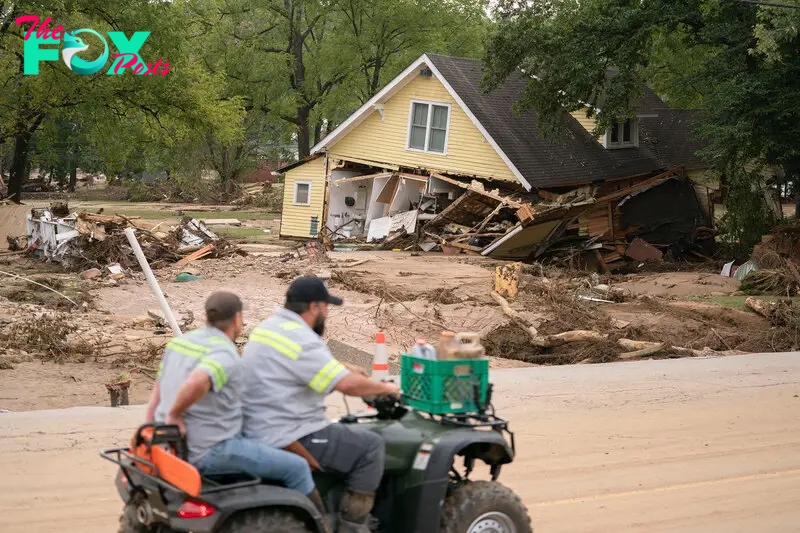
199 388
288 372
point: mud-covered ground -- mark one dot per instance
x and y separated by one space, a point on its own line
57 353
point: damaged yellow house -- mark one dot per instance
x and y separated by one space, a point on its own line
409 148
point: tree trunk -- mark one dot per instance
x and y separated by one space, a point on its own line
18 164
317 133
73 177
304 133
299 83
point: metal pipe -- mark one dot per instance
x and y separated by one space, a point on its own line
151 280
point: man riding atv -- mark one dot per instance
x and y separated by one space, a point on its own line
288 372
410 455
199 388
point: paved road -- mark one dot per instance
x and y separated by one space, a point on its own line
688 445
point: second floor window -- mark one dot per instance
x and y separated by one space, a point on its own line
428 127
622 134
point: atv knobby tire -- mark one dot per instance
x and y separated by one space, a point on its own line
128 523
264 521
474 499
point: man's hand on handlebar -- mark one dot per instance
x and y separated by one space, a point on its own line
391 389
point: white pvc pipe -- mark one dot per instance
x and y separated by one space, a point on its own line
151 280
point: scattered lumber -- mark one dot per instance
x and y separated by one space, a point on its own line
202 252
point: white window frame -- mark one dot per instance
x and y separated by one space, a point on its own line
297 183
634 142
427 126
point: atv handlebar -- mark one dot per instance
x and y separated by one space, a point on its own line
390 407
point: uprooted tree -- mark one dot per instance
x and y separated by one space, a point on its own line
737 62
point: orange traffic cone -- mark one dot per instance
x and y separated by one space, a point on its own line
380 364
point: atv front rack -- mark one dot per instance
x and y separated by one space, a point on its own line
474 421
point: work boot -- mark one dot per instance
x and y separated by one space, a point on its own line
354 511
316 499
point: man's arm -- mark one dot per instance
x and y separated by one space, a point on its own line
357 385
197 386
155 397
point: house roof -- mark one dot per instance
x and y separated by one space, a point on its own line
302 161
670 138
573 158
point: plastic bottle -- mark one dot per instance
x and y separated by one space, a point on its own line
423 350
446 348
469 345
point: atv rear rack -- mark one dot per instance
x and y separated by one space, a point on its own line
116 455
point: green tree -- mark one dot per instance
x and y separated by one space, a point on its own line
305 65
119 111
738 62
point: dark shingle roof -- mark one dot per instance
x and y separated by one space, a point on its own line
575 157
669 137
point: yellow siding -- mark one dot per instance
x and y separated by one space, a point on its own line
588 123
385 140
296 219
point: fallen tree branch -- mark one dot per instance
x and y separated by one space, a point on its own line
70 300
644 352
577 335
758 306
515 317
629 344
357 263
714 331
432 322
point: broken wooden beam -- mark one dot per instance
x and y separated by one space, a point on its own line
202 252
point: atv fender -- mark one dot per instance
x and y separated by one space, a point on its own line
427 498
229 503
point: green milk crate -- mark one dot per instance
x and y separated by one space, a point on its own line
443 387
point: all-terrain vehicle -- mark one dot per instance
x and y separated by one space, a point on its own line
423 489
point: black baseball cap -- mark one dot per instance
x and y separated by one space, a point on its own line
222 305
309 289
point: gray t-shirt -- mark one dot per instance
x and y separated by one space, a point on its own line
288 371
217 416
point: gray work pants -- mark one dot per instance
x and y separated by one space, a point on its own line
354 452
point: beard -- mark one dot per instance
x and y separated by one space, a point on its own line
319 326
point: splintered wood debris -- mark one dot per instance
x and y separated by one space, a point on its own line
604 226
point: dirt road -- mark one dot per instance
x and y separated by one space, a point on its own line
689 445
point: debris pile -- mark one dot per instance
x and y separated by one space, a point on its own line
666 216
569 320
774 267
85 240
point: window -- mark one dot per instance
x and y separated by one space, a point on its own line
427 127
622 134
302 193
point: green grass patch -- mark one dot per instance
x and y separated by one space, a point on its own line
160 214
238 233
736 302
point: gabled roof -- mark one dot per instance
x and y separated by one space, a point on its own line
574 158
